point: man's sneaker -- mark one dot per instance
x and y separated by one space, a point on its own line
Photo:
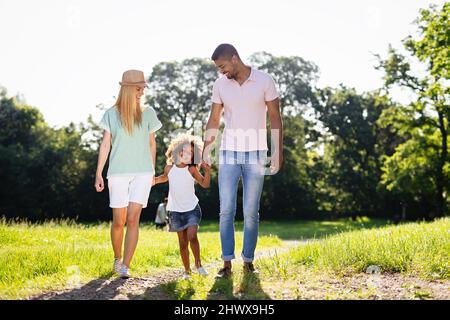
250 268
201 271
124 272
117 265
225 272
186 276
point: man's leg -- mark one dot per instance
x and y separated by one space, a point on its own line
253 181
229 175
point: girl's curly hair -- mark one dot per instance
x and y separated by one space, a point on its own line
177 144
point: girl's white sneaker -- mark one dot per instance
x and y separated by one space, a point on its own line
201 271
186 276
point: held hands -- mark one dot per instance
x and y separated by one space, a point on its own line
99 184
205 166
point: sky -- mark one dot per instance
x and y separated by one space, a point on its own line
66 57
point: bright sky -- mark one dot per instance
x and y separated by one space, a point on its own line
65 57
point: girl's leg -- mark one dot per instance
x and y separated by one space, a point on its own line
195 245
184 250
119 218
132 235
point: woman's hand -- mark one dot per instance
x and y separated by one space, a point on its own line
99 184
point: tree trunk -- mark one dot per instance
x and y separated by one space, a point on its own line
440 167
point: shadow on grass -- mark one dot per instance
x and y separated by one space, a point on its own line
222 289
250 288
102 288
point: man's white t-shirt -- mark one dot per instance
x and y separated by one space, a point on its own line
245 110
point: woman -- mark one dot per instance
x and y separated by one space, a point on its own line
130 130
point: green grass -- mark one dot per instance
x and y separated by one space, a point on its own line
35 258
421 249
303 229
417 249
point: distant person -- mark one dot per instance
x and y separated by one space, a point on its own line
129 133
182 171
245 96
161 215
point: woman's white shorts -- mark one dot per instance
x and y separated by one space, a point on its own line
125 189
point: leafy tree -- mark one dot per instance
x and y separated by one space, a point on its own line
429 114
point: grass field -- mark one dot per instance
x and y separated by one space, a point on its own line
36 258
39 257
420 251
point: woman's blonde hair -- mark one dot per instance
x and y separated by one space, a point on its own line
129 108
177 144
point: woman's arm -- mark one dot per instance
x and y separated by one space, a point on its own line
105 147
164 177
202 180
153 148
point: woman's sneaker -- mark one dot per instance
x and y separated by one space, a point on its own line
117 265
124 272
201 271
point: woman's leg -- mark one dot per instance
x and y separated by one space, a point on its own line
119 218
132 235
184 249
195 245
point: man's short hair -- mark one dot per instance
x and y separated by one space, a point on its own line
224 51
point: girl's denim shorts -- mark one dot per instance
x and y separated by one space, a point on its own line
178 221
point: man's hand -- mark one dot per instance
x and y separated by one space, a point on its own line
276 162
99 184
207 150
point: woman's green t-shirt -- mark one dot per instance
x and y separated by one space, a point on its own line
130 154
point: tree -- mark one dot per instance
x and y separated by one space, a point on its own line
353 146
181 92
430 112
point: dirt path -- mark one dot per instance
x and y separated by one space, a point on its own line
142 288
306 285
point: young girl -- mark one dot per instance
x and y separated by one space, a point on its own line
182 170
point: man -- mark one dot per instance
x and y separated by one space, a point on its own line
161 215
245 96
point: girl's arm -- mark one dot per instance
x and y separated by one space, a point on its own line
105 147
202 180
164 177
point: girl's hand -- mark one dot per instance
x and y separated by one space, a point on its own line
205 166
99 184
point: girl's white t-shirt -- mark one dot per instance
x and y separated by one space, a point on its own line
182 196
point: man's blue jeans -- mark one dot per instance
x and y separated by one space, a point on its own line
232 166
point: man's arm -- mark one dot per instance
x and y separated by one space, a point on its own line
276 134
212 130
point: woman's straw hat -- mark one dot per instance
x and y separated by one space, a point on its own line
133 78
